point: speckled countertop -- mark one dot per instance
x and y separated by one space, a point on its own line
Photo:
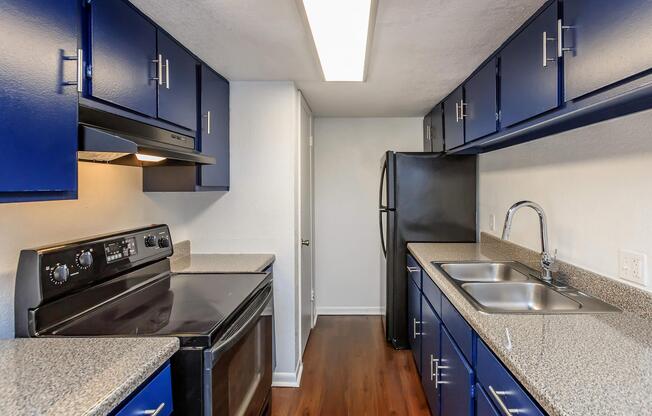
598 364
183 261
76 376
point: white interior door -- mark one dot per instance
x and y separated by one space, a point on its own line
306 226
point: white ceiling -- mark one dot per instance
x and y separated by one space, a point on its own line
421 49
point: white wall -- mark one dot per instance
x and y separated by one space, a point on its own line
258 214
348 154
110 199
595 184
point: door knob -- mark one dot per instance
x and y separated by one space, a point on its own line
305 242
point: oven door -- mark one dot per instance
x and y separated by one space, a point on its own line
238 368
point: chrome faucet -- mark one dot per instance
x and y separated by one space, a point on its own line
547 260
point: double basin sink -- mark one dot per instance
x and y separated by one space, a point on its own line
511 287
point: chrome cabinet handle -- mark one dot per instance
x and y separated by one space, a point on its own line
303 242
80 68
414 327
560 38
167 74
154 412
503 407
433 371
546 39
208 121
462 114
457 112
159 69
412 269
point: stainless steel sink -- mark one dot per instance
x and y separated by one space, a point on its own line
512 287
484 272
517 297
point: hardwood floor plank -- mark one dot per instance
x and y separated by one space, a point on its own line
349 369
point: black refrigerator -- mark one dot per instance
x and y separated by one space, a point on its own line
424 197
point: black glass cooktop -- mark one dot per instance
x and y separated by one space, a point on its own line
193 307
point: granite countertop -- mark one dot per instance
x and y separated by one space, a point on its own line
76 376
183 261
585 364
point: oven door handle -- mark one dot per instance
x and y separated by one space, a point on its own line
247 320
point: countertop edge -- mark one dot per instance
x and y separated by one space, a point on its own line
131 384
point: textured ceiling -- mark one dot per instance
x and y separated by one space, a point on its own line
421 49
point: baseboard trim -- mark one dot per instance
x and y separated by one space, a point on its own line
289 379
349 310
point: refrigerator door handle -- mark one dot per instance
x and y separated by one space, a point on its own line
381 212
382 183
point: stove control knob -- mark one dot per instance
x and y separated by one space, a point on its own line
85 259
60 273
150 241
163 242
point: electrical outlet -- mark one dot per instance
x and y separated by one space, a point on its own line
632 266
492 222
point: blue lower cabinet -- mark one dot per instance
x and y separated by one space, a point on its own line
38 118
414 322
155 395
483 406
430 354
503 389
459 329
456 377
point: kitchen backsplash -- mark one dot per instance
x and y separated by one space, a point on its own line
594 184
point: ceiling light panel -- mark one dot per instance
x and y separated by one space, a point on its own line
340 29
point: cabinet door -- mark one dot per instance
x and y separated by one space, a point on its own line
38 120
456 376
528 70
214 134
430 354
177 94
480 98
607 41
427 144
453 121
414 322
437 129
123 51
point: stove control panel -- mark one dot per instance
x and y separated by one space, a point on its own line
69 266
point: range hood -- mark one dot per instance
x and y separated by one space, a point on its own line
110 138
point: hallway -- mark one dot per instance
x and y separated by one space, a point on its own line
349 369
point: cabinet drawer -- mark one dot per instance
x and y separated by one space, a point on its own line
458 328
414 270
432 293
494 376
157 393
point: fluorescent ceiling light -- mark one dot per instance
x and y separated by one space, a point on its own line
340 29
148 158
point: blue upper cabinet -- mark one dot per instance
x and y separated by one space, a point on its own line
456 376
529 82
177 91
214 131
480 109
453 119
605 42
123 57
38 120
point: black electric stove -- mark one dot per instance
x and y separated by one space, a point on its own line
120 284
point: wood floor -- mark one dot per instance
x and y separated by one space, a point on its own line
349 369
